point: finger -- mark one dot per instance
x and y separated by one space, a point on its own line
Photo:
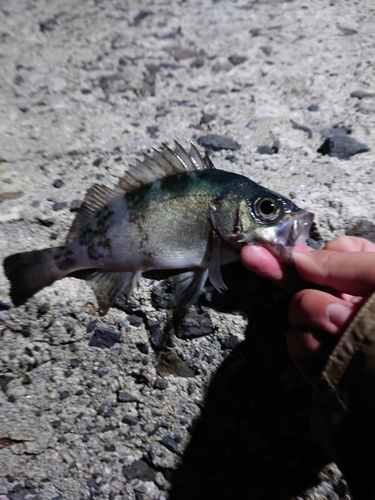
261 261
346 272
321 310
350 244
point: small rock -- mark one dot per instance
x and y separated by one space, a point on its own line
313 107
119 42
26 380
267 50
206 118
130 420
98 162
236 60
152 68
152 132
230 342
143 348
170 444
217 142
109 413
157 338
197 63
58 183
139 469
255 32
104 338
142 14
135 320
74 363
192 325
47 222
48 25
126 397
360 94
64 394
161 384
5 306
231 158
265 150
341 146
347 31
59 205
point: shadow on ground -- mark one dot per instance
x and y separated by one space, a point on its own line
253 438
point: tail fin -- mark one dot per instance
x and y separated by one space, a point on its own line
29 272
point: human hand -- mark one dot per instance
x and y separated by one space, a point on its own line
331 286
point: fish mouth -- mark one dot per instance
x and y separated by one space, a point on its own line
289 233
299 229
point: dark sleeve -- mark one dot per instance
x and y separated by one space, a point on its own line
343 405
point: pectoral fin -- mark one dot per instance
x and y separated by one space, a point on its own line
107 287
188 289
214 272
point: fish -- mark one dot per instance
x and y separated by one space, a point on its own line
173 214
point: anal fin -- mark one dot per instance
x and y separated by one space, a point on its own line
107 286
188 289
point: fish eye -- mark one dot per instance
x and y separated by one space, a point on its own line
267 208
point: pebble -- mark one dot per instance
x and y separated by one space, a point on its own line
126 397
206 118
139 469
192 325
313 107
58 183
236 60
217 142
130 420
59 205
360 94
342 147
104 338
170 444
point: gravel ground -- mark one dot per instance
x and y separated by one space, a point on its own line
138 404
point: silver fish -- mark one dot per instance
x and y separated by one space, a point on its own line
173 213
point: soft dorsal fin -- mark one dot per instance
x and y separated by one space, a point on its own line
96 197
161 164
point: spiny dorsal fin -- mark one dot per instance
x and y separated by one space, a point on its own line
96 197
161 164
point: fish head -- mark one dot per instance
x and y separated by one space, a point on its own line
256 215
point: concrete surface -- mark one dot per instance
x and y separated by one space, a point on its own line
85 87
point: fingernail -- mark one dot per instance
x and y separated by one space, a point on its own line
338 314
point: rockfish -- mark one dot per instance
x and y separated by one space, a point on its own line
174 213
